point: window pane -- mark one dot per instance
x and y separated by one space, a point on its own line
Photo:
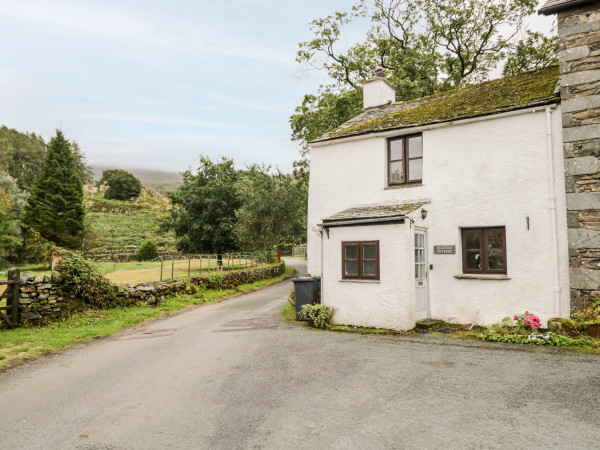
417 256
494 239
415 147
473 260
351 268
369 252
352 252
396 148
396 172
495 260
368 267
415 169
473 239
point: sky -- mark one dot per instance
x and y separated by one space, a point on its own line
155 84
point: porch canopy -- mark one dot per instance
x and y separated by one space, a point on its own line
371 214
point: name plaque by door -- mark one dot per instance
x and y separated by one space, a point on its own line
444 249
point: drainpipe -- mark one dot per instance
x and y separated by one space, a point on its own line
552 204
322 296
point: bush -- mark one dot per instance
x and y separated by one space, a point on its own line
122 185
215 280
84 278
37 249
320 315
148 250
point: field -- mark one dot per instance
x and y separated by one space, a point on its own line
139 272
115 225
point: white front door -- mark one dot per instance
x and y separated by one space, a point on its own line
421 297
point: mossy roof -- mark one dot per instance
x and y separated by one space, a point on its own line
374 212
519 91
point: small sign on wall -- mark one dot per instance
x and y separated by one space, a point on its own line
444 249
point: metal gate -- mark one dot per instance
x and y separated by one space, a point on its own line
9 313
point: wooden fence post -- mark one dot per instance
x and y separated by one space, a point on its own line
14 275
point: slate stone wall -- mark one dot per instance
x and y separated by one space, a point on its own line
45 295
579 44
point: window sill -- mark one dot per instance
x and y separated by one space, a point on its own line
481 277
348 280
402 186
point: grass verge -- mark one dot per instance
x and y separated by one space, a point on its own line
22 344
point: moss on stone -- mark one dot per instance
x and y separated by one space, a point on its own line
505 94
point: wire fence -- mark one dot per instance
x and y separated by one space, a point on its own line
163 268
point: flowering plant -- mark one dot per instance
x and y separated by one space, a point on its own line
527 319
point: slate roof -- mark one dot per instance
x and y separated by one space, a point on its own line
519 91
372 213
554 6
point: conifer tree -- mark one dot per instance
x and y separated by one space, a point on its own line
55 207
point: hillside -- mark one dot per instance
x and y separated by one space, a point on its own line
158 180
115 225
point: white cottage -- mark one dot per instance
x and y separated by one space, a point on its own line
448 207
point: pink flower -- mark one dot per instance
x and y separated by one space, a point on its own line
516 317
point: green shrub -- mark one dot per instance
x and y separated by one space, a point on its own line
85 280
37 249
215 280
320 315
148 250
589 315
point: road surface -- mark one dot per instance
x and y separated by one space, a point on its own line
232 375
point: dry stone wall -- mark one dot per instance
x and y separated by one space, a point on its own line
579 44
45 295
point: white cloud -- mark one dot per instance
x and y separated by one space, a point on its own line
81 17
144 118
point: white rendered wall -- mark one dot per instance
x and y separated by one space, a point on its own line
486 173
382 304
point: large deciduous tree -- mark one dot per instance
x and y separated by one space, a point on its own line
12 203
55 207
22 154
426 46
273 209
203 212
535 51
122 185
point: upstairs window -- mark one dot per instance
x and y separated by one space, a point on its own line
360 260
484 250
405 160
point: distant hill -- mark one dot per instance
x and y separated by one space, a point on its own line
156 179
117 225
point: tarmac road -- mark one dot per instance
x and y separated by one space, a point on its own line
232 375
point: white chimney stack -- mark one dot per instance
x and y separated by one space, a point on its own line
378 91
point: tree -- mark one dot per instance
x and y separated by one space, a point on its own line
21 155
203 212
427 46
81 165
273 209
12 203
536 51
122 185
55 207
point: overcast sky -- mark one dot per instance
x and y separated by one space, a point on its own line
154 83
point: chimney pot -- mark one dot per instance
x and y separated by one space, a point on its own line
380 72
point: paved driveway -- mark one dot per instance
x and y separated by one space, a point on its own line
231 375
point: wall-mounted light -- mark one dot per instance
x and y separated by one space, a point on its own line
423 213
